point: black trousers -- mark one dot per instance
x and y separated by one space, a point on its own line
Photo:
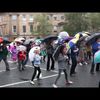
74 64
59 74
49 57
35 71
6 62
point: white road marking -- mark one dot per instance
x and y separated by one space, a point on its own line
42 68
27 81
10 69
6 85
33 67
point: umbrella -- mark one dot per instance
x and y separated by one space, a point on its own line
20 39
50 38
31 52
97 57
63 34
91 39
4 40
27 41
1 39
21 48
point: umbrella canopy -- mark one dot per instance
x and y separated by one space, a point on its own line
4 40
97 57
21 48
1 39
31 52
63 34
50 38
27 41
91 39
20 39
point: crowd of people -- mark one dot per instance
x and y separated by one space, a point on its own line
77 55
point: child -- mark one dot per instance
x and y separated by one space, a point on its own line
14 54
43 52
36 63
62 59
21 59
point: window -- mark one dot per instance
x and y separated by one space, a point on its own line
55 18
24 28
62 17
31 18
31 28
14 17
48 17
23 17
14 29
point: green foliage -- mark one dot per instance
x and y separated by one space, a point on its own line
77 22
44 27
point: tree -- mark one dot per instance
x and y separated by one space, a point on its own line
75 22
43 25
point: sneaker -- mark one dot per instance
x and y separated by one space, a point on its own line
52 68
32 82
8 69
54 85
69 82
80 64
85 63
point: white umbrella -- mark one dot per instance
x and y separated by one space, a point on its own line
21 48
29 40
31 52
63 34
20 39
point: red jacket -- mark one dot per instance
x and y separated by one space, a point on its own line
21 56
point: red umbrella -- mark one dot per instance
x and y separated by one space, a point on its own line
1 39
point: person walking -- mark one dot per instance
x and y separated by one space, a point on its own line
62 60
36 63
50 51
74 51
3 55
95 48
21 59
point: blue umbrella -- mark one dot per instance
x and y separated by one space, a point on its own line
97 57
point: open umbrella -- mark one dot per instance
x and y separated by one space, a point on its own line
19 39
63 34
21 48
31 52
97 57
1 39
91 39
50 38
27 41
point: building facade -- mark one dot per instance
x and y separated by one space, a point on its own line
24 24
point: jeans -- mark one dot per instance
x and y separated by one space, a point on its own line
59 74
